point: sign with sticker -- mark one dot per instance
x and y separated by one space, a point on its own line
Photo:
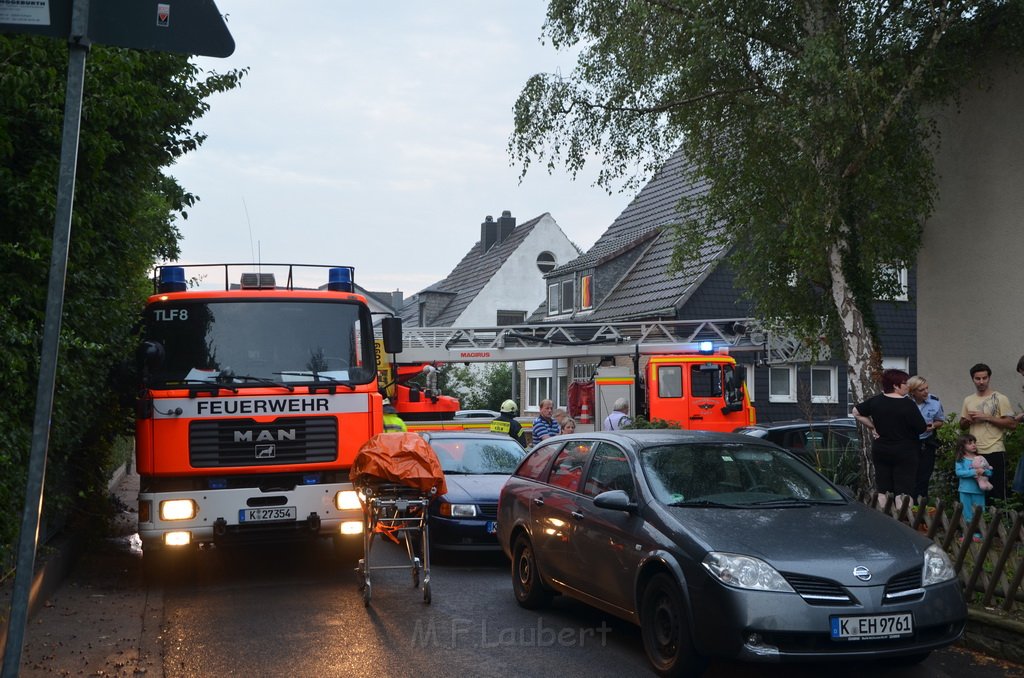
25 12
163 15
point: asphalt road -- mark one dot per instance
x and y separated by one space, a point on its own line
297 612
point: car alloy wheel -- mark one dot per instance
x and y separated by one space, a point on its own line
530 592
666 630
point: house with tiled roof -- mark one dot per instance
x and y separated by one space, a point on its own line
499 281
625 276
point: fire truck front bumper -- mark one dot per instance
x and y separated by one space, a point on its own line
177 519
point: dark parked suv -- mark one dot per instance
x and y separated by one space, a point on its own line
826 445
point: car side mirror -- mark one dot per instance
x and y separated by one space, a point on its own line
616 500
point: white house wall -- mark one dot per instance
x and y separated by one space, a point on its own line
518 285
971 266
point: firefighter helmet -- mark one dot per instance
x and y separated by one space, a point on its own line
509 406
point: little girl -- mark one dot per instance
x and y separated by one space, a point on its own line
971 494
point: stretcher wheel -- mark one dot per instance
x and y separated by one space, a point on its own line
366 594
426 592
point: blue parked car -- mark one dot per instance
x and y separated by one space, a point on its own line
476 466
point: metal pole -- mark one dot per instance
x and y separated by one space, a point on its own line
29 537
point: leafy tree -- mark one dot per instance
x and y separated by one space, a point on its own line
137 117
806 119
480 387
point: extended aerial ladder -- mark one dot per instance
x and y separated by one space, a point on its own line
677 352
581 340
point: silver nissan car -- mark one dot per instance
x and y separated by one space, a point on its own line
722 545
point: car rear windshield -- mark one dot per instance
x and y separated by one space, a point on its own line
731 473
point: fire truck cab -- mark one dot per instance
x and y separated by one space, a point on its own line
700 389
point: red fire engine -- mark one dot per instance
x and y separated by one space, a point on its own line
255 399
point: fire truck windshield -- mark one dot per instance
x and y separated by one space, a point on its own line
258 342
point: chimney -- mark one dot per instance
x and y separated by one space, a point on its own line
397 300
506 223
488 233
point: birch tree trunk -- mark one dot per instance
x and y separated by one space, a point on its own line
862 357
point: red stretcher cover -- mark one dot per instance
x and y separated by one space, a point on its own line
402 458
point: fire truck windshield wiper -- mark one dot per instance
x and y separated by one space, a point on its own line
262 380
319 376
202 382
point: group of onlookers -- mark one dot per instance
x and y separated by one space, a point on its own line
551 422
903 420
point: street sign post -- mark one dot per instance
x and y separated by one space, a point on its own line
180 26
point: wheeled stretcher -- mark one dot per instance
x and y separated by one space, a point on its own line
397 475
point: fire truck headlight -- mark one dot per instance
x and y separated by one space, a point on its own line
347 500
177 509
351 527
178 538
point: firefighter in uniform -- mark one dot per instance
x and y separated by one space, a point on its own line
392 422
506 423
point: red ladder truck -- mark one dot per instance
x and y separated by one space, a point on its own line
683 372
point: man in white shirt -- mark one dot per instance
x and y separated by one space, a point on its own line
619 417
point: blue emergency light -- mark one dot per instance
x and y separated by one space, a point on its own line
341 279
172 279
706 347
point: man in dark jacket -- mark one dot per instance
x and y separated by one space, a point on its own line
506 423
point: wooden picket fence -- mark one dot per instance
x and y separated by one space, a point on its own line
991 569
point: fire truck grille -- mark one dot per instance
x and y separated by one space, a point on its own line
245 442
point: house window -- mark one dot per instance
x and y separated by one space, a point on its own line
511 318
900 275
896 363
540 384
567 296
782 384
583 371
587 291
538 389
553 299
545 261
824 385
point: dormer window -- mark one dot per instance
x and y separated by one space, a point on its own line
567 296
586 292
553 298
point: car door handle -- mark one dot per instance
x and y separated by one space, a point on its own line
538 502
578 515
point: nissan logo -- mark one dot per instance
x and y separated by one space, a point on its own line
862 573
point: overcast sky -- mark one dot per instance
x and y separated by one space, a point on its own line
374 135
